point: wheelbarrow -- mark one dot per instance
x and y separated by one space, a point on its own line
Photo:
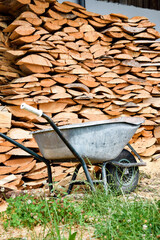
99 143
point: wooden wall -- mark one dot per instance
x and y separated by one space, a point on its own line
154 4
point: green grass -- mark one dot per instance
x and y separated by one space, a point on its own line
123 217
111 217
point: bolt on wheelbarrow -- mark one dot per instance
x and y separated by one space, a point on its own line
99 143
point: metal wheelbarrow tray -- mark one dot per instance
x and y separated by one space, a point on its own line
99 143
96 142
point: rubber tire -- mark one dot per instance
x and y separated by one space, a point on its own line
113 172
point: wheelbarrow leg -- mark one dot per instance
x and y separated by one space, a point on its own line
73 178
104 177
50 182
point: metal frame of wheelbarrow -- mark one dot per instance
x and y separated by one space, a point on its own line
82 162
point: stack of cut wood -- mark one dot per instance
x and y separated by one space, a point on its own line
76 66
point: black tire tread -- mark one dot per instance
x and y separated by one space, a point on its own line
111 176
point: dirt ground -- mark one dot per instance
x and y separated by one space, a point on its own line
39 232
149 183
148 188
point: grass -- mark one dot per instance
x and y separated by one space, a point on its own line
112 217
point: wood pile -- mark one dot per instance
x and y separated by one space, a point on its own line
76 66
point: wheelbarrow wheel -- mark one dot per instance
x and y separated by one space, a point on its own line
120 178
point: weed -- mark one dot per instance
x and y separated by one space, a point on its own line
115 217
123 217
29 211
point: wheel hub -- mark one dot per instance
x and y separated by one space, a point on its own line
125 175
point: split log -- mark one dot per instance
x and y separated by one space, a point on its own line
5 119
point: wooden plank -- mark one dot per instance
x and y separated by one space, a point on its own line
41 4
39 10
29 69
15 110
18 161
78 86
22 31
22 124
64 116
149 51
74 5
144 35
88 82
25 168
91 36
7 179
150 64
26 39
133 30
7 170
5 119
4 157
64 78
18 133
35 59
146 23
16 23
14 54
36 22
54 107
63 7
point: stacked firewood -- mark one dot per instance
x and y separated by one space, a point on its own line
76 66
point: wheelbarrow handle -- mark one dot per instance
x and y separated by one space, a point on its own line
31 109
66 142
